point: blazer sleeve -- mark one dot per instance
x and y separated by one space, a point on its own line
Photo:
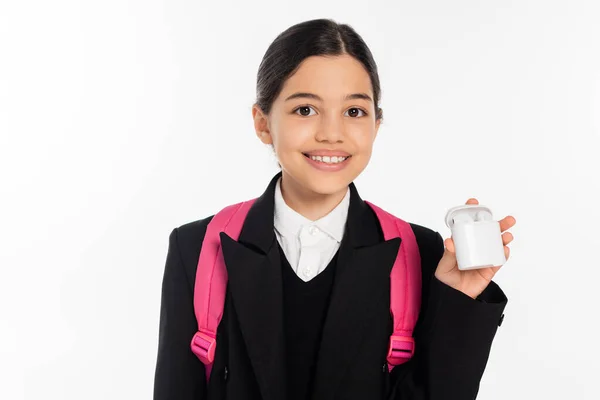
453 339
177 368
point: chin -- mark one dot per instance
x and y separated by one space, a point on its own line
327 183
327 189
322 182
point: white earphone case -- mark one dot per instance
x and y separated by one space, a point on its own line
477 237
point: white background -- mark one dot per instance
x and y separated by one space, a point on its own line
121 120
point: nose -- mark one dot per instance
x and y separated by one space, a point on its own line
330 130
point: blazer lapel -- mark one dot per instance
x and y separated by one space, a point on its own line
364 265
254 274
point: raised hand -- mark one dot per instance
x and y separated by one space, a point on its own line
471 282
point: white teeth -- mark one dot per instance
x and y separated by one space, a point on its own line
328 160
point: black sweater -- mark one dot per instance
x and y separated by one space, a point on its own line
305 307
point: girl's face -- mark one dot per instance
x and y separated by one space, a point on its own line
323 124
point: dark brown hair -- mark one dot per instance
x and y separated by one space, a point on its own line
318 37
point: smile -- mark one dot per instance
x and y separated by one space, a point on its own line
328 163
328 159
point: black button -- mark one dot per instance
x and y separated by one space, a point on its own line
225 373
501 320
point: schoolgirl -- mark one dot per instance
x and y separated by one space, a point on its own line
307 308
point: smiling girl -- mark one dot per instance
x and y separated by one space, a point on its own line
306 312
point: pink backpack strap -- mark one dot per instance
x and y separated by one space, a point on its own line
211 283
211 280
405 291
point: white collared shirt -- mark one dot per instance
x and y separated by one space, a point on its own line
308 245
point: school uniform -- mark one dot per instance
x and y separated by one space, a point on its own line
318 328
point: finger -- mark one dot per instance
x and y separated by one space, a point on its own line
472 200
507 237
506 252
489 272
449 244
507 223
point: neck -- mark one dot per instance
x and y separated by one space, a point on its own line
306 202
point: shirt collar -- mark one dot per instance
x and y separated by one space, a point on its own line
289 223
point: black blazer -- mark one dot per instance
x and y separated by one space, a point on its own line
453 335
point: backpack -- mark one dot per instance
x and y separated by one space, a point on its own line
211 283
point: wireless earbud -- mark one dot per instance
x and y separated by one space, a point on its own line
464 217
483 216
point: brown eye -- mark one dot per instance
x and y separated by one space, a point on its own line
355 112
304 111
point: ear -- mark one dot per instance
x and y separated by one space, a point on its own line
261 125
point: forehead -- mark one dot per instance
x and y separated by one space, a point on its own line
329 76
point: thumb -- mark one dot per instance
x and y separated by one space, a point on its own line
448 260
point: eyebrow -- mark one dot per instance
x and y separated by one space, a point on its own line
353 96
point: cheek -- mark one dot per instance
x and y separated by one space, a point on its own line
363 136
291 135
